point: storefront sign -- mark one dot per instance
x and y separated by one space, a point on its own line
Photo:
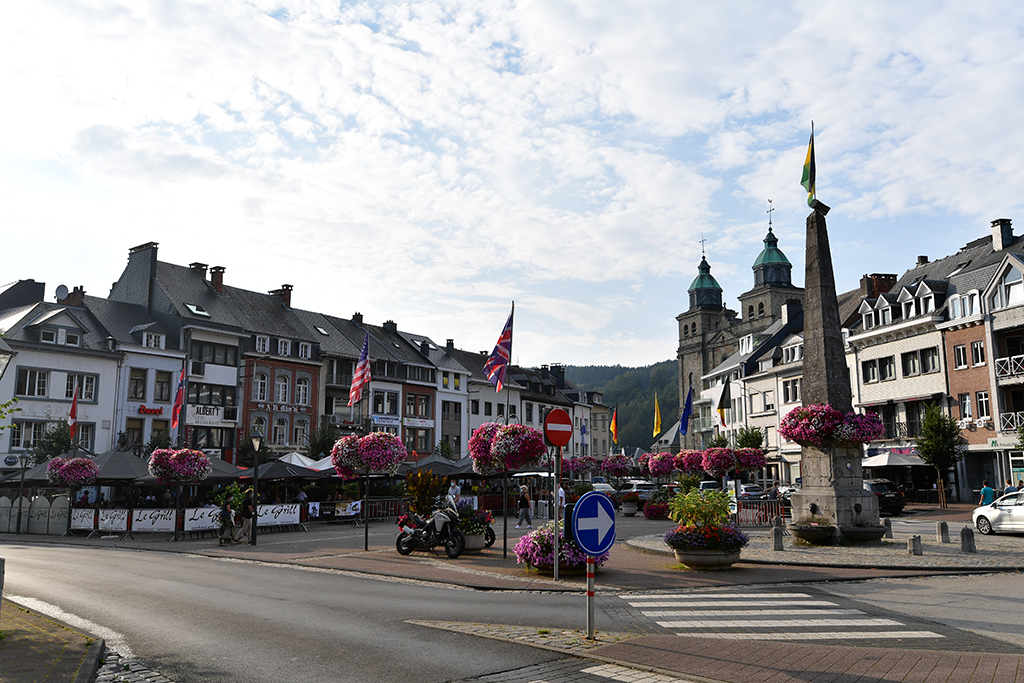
82 518
202 519
387 420
143 410
113 520
418 422
1003 442
144 519
281 408
207 416
276 515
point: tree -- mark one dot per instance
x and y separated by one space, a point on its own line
161 438
444 449
321 441
719 441
56 440
6 409
245 453
940 445
749 437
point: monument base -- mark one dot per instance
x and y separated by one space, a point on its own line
833 496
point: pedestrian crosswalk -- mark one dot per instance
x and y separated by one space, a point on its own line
780 615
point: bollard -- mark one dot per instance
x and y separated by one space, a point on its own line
914 545
967 540
1 580
779 522
777 535
888 527
942 532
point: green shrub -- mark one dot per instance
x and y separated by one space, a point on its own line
700 508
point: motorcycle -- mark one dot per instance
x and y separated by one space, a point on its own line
489 537
424 534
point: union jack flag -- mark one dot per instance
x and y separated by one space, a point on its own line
497 362
362 376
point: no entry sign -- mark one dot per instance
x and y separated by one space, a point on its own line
558 427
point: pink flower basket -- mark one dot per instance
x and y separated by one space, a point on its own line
381 452
581 464
616 465
185 466
345 456
690 462
71 472
480 448
518 446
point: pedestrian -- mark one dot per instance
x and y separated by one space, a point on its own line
561 496
1009 488
987 493
227 522
301 497
248 512
773 492
524 508
454 490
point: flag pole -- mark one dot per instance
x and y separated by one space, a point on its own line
504 482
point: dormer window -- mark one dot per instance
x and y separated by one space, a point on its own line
262 344
305 351
197 310
955 308
152 341
869 321
48 336
72 339
284 347
886 315
791 354
1010 291
908 309
927 304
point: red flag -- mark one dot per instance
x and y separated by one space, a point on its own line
73 417
179 400
362 376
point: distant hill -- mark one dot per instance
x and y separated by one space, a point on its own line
632 390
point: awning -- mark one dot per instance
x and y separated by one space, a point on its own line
892 460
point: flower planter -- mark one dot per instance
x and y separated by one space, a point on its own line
474 542
706 560
628 509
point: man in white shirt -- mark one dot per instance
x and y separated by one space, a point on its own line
454 490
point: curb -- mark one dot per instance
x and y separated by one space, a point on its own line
91 663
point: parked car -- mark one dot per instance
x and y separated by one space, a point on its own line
1003 514
890 499
710 486
751 492
606 489
641 487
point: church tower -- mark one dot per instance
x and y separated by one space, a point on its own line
773 284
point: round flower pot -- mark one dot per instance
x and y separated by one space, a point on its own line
628 509
563 570
707 560
474 542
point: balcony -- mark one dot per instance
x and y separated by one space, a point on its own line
1010 422
705 424
1010 366
901 430
338 380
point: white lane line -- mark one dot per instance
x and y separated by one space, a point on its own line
115 640
823 635
621 673
748 603
747 612
774 623
705 596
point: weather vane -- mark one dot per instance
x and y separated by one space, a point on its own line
769 212
702 241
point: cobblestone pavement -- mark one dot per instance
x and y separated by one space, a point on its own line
117 669
575 671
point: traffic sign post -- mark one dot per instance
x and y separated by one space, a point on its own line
558 431
593 527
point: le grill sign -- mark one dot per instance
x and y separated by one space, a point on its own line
558 427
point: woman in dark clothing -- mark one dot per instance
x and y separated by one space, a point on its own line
524 508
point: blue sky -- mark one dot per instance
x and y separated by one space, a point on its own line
428 162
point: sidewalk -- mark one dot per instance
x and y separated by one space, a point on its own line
39 649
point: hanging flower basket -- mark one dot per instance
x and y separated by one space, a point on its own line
480 448
690 462
581 464
749 459
185 466
822 425
381 452
71 472
642 464
617 465
345 456
518 446
660 464
718 461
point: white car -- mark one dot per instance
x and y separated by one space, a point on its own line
1003 514
604 488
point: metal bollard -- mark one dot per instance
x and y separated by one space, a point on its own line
777 535
942 532
914 545
967 540
1 581
779 522
888 527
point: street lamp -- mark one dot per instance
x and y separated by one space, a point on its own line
257 441
21 490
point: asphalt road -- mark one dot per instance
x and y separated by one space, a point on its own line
199 619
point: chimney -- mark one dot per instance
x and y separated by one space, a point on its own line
135 286
285 293
357 318
425 348
74 298
391 326
449 347
1002 234
217 278
789 309
111 344
922 260
544 372
558 372
199 268
876 283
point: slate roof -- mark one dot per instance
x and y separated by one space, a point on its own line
335 342
437 355
123 321
15 325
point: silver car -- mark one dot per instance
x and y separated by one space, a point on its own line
1003 514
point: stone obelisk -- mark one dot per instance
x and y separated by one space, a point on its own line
832 503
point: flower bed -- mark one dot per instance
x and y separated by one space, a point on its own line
473 521
724 538
536 549
656 510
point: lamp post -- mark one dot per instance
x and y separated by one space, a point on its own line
21 490
257 441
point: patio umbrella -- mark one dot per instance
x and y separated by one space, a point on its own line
892 460
275 469
295 458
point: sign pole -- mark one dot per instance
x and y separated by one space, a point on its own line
558 508
590 597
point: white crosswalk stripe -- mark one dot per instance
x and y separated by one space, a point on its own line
763 615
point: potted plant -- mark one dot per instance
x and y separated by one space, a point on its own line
536 550
657 504
629 503
704 539
473 524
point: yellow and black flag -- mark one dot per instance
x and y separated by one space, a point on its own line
808 177
724 402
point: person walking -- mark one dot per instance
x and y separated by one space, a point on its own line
1009 488
248 512
988 494
227 522
524 508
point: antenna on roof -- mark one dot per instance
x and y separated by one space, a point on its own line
770 209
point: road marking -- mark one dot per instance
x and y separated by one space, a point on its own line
823 635
751 612
775 623
705 596
621 673
748 603
115 641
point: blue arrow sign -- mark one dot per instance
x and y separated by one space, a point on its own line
593 523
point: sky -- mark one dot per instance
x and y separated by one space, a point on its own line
430 162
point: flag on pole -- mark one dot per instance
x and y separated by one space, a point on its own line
808 177
657 416
501 356
614 428
684 420
724 402
179 401
73 417
362 376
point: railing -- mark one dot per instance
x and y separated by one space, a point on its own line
1010 366
705 424
1010 422
339 379
901 430
759 512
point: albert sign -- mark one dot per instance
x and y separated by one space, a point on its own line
593 523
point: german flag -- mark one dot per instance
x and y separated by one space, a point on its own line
614 428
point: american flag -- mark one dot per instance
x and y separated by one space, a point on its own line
362 376
73 417
179 401
497 362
